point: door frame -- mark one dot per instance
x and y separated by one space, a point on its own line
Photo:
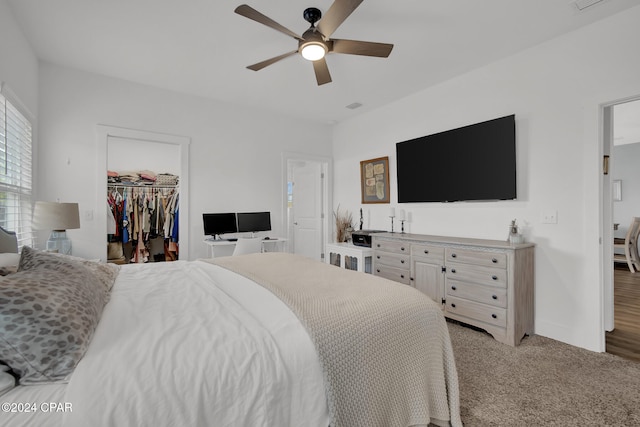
326 164
104 132
606 209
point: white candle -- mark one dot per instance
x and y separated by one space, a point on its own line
392 211
401 215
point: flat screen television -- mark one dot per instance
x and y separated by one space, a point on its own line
219 223
475 162
253 221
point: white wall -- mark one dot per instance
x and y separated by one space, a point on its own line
127 155
555 90
235 152
18 63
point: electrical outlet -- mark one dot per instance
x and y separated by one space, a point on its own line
549 217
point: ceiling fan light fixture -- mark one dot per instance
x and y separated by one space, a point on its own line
313 51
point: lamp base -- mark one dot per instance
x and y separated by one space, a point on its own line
59 242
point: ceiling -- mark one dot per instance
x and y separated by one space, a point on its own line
202 47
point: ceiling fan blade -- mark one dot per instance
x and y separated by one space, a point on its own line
251 13
322 71
337 13
261 65
357 47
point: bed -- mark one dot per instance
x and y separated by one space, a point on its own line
268 339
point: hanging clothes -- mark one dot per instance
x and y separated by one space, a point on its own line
142 213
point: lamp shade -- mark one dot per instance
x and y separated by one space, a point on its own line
56 216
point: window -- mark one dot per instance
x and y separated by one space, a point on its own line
15 172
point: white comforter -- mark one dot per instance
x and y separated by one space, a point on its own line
192 344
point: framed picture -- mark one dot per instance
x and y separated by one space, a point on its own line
374 180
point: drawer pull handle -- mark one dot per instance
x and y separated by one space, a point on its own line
426 251
453 255
401 261
402 276
453 270
495 316
378 256
494 296
494 277
402 248
378 270
378 245
494 260
453 305
453 288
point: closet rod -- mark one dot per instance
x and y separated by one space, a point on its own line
114 185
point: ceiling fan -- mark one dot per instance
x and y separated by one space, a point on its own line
315 43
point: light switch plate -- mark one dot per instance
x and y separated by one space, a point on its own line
549 217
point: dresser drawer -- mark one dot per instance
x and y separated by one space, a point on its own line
473 310
491 276
477 257
395 274
428 252
490 295
394 247
392 259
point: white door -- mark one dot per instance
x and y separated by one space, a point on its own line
305 204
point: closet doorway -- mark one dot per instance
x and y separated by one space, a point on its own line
128 150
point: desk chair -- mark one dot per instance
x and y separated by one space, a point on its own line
630 246
247 246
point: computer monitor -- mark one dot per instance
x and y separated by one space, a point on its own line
219 223
253 221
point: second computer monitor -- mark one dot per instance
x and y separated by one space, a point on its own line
253 221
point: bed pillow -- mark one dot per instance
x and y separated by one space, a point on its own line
9 259
48 316
7 381
31 259
9 263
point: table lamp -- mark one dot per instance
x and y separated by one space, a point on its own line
57 217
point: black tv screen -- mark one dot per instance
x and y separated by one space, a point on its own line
219 223
253 221
475 162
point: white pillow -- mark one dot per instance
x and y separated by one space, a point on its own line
7 382
9 260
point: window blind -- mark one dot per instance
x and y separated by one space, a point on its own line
15 172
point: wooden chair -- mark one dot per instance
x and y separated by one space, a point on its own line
630 246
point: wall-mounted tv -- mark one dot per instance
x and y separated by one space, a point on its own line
219 223
475 162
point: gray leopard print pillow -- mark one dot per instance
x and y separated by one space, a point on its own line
49 310
31 259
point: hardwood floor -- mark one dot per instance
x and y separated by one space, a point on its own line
624 340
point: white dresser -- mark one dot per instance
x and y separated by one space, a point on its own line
485 283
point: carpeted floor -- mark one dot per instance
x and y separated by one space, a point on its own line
542 382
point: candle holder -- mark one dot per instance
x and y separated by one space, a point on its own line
391 216
402 225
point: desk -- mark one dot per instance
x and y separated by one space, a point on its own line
225 247
349 256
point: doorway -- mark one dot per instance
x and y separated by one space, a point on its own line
111 136
621 202
307 188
